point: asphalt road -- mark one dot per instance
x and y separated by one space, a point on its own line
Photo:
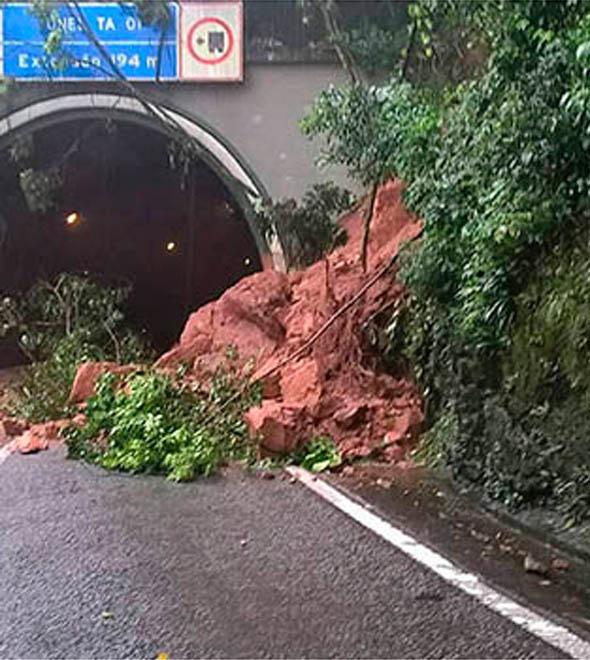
100 565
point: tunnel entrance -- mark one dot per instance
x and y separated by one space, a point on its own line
126 212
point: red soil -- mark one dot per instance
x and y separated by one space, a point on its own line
332 389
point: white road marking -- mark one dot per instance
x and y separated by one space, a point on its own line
552 633
5 452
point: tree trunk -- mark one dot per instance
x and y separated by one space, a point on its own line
326 8
367 225
411 42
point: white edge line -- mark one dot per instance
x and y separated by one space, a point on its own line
5 452
552 633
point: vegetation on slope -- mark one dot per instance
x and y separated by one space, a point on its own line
498 168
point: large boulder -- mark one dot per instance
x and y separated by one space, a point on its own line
278 428
246 317
301 384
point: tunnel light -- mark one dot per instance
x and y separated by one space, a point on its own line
247 261
73 219
171 246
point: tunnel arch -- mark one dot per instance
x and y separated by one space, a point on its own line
223 159
54 114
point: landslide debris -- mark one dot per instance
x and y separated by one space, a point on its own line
332 389
336 388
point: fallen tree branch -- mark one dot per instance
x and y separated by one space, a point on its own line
153 108
115 341
326 326
328 11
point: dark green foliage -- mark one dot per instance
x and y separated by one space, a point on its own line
159 425
514 423
156 425
375 48
497 327
474 429
374 131
309 229
69 306
548 356
45 386
487 199
377 42
493 165
60 324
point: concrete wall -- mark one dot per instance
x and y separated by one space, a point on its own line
260 118
257 117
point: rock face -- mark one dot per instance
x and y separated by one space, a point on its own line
245 317
278 425
336 388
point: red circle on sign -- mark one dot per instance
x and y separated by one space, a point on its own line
221 23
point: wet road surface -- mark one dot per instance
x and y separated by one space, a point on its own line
431 509
94 564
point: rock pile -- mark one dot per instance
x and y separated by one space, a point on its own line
334 388
26 438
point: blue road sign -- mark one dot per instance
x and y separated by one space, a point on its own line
131 46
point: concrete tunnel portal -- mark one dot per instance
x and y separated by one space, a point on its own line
124 213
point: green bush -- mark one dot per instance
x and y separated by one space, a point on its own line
318 455
59 325
514 422
548 356
496 328
493 166
156 425
309 229
375 131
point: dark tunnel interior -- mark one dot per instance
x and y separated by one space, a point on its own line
178 238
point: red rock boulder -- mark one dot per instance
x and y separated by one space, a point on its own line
278 428
84 385
245 317
10 428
